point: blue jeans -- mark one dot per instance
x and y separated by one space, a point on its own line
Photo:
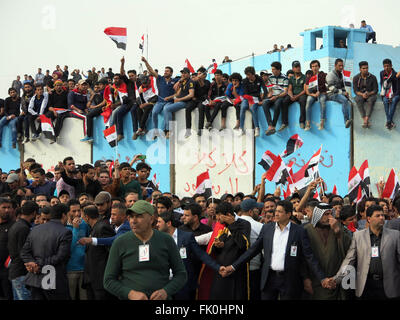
390 108
118 114
173 107
20 292
158 107
344 102
243 107
322 103
13 126
274 105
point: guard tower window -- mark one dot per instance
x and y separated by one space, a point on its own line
316 40
340 38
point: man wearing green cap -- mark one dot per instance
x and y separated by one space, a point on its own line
139 261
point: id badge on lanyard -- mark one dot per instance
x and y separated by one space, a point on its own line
144 252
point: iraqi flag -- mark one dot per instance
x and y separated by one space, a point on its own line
346 78
360 194
146 93
365 179
7 262
203 184
287 193
212 67
141 44
294 143
334 191
392 186
353 183
313 82
252 100
189 66
316 195
118 35
273 165
111 136
312 168
154 180
47 127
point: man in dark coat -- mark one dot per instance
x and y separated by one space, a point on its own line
46 253
230 244
96 256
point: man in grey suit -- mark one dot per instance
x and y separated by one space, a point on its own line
45 254
376 250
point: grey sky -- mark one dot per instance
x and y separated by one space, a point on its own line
45 33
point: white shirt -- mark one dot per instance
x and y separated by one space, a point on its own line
255 263
279 247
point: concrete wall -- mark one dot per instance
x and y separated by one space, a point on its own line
229 158
9 157
68 145
335 140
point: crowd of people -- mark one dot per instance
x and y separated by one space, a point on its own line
106 232
114 95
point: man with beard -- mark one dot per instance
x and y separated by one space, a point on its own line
230 244
70 170
11 112
86 184
375 253
6 221
23 116
329 243
97 106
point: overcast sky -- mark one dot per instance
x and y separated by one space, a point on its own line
43 33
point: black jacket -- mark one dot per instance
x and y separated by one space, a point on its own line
4 229
48 244
93 188
194 255
17 235
368 85
96 256
293 264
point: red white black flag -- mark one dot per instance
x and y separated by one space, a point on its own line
111 136
365 179
47 127
118 35
273 165
334 191
294 143
313 82
203 184
141 44
392 186
353 183
212 67
346 78
189 66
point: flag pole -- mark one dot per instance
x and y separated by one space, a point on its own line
147 46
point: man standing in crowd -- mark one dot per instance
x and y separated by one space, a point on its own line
230 244
11 113
147 254
96 256
286 246
277 92
68 165
6 221
190 252
248 207
316 91
390 91
76 262
365 87
329 245
40 185
45 254
337 91
16 238
125 181
182 98
17 85
296 93
39 77
166 92
375 253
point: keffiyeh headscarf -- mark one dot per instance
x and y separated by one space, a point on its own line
318 212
